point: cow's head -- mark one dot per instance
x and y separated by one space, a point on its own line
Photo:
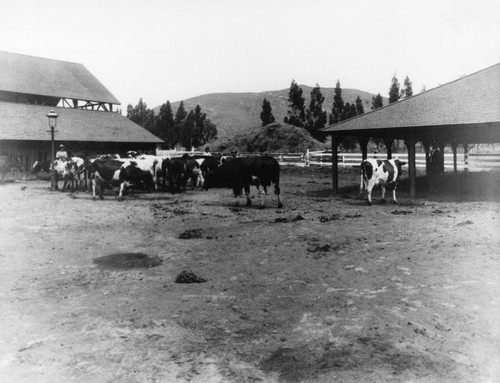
398 165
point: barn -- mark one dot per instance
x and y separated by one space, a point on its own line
460 113
89 118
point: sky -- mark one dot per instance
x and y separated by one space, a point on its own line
161 50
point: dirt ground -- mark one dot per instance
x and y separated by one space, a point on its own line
326 289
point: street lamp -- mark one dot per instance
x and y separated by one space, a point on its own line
52 116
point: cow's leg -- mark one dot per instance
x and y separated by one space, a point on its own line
277 192
369 192
120 192
247 195
94 182
394 195
383 193
262 193
362 186
65 184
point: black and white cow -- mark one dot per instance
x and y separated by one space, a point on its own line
385 173
239 173
64 170
122 172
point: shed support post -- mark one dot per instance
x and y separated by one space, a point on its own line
335 165
454 147
427 147
388 144
412 173
363 144
466 158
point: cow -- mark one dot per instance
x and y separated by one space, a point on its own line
8 163
78 170
209 163
123 172
64 170
174 170
239 173
193 172
156 163
385 173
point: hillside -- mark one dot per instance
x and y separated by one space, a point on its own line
235 113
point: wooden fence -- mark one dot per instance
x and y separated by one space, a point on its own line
476 161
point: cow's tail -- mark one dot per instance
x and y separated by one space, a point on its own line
362 176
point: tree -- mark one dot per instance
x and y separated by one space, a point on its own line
377 102
142 115
266 116
315 115
187 131
394 94
165 124
360 109
338 105
204 129
180 117
296 112
408 90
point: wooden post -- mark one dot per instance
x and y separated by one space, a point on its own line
388 144
427 147
466 158
363 144
412 170
335 165
454 148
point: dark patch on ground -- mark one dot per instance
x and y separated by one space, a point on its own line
284 219
189 277
363 353
128 261
191 234
334 217
401 212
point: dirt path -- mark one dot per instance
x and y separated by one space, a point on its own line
325 289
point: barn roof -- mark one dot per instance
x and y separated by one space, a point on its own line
47 77
29 122
471 102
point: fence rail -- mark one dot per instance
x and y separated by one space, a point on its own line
476 161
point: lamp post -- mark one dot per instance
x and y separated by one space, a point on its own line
52 116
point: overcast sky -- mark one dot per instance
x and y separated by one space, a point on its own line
177 49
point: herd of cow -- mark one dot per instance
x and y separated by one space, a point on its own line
149 172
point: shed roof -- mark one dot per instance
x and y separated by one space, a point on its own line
469 102
29 122
47 77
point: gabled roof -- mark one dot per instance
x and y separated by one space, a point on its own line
29 122
46 77
469 101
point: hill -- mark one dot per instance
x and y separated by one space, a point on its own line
235 113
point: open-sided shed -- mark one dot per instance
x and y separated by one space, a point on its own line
463 112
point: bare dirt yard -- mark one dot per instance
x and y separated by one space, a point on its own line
326 289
